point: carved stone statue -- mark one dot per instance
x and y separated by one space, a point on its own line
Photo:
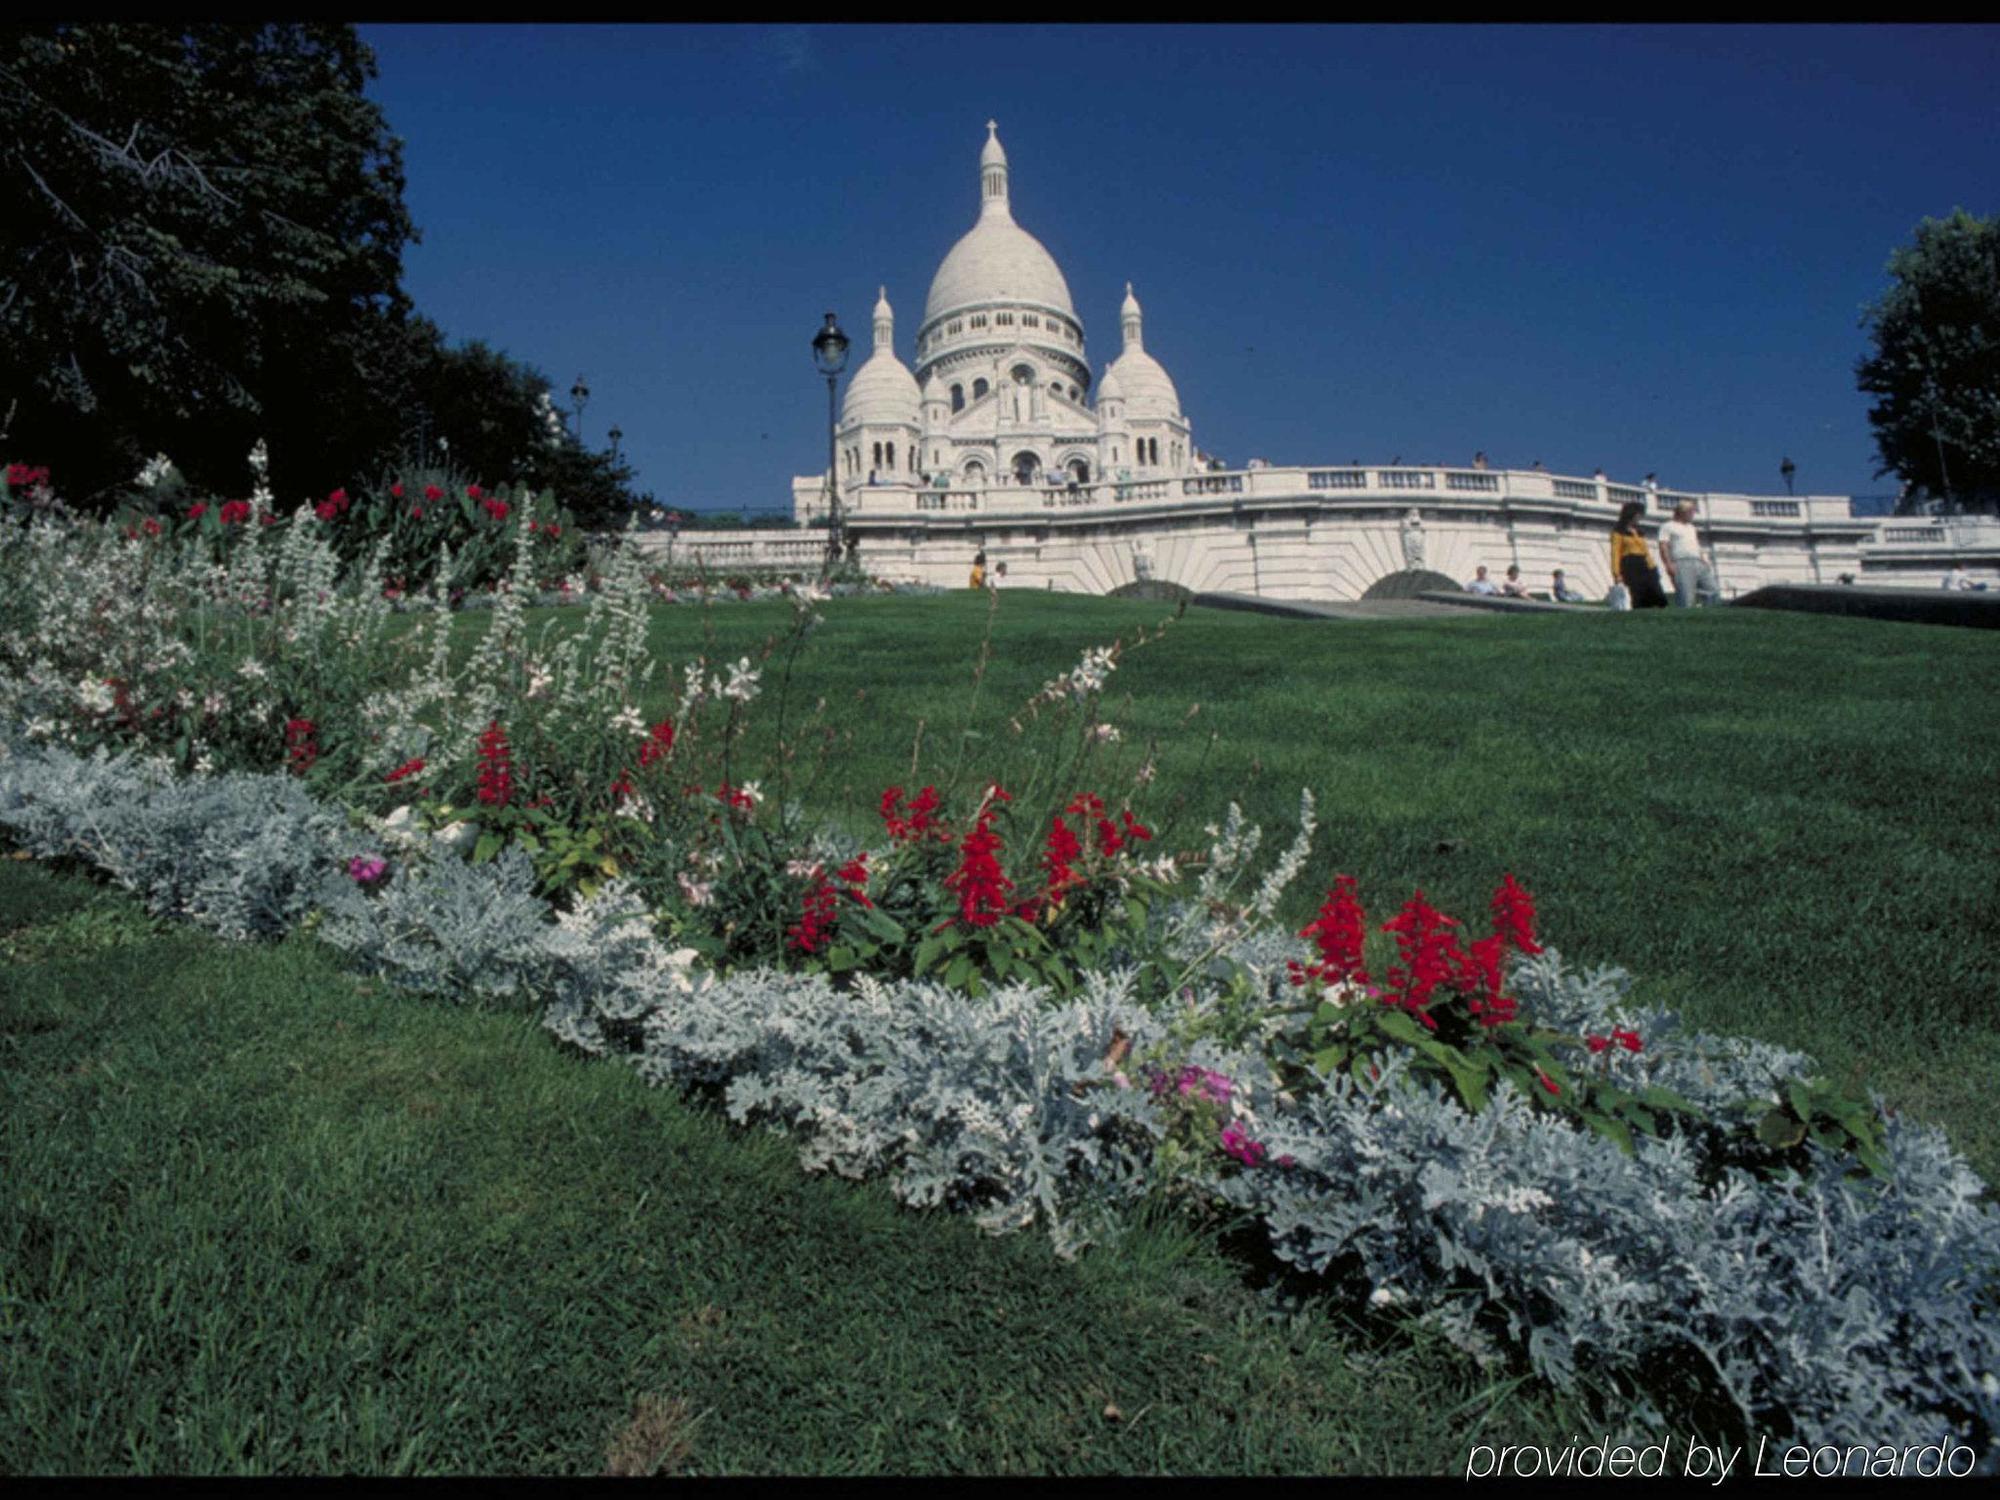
1413 540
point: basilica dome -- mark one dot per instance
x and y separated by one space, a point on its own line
1140 379
883 389
996 260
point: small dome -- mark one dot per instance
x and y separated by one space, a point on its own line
882 390
1110 388
1147 390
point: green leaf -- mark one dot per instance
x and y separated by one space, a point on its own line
876 923
489 845
1613 1130
959 971
1780 1131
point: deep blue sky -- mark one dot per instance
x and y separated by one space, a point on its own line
1641 247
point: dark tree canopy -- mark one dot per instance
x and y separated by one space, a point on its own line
203 245
204 236
1935 369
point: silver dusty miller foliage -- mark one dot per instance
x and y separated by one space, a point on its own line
1838 1308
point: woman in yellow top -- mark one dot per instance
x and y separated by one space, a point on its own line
979 569
1631 565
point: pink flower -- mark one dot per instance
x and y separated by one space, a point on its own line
366 871
1236 1141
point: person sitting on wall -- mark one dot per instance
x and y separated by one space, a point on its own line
1514 588
1562 593
1632 563
1481 584
997 577
1958 578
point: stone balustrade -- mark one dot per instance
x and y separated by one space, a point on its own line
1334 532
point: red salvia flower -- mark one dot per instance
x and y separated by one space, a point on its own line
407 768
234 511
1546 1082
978 881
1134 829
432 492
1430 956
818 913
1061 848
1596 1044
921 821
1479 977
197 510
658 744
1629 1040
496 767
1338 932
1514 916
853 877
301 746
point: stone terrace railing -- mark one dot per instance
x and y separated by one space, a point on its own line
1401 486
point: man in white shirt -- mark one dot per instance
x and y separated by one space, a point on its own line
1958 578
1688 572
1481 584
1514 588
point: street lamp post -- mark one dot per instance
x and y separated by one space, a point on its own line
830 358
1785 471
578 394
615 434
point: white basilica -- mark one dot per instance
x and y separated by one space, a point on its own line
998 443
1002 389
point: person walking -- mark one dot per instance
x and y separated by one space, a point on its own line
979 569
1693 580
1631 562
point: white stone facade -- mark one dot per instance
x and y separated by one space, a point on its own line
996 441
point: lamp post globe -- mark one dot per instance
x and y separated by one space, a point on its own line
829 348
1785 472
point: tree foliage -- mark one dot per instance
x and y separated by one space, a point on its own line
1935 369
203 244
205 238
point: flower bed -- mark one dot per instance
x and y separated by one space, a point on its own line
1009 1004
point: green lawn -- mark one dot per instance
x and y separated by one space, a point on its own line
1784 825
255 1215
258 1217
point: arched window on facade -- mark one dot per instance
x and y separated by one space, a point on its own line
958 398
1023 375
979 388
975 472
1079 470
1026 465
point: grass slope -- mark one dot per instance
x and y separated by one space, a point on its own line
1783 825
256 1217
